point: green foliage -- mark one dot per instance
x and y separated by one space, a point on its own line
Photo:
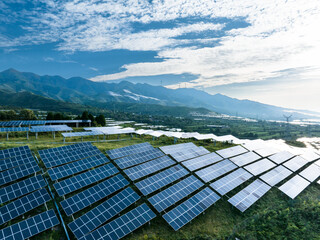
101 120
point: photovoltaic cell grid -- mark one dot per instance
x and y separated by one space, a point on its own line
191 208
123 225
53 128
15 161
202 161
310 156
260 166
231 181
265 152
102 213
232 151
125 151
39 122
91 195
156 182
138 158
82 134
281 157
21 188
276 175
249 195
47 152
295 163
216 170
76 167
189 153
245 158
79 181
294 186
311 173
177 147
175 193
14 152
70 156
30 227
23 205
147 168
18 172
15 129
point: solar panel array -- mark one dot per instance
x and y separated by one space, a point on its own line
231 181
39 122
15 161
212 172
52 128
148 168
48 152
202 161
15 129
232 151
276 175
138 158
259 167
125 151
294 186
311 173
295 163
265 152
189 153
245 158
14 152
177 147
191 208
281 157
82 134
249 195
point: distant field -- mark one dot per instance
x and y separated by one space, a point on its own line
274 216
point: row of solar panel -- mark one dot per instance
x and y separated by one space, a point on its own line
40 122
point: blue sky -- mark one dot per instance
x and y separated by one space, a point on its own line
260 50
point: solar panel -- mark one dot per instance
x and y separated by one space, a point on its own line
317 163
123 225
138 158
52 128
191 208
216 170
81 134
294 186
276 175
231 181
125 151
202 161
70 156
260 166
177 147
295 163
43 153
249 195
14 152
102 213
76 167
245 158
175 193
87 178
21 188
189 153
15 129
147 168
281 157
30 227
159 180
310 156
23 205
232 151
18 172
91 195
15 161
265 152
311 173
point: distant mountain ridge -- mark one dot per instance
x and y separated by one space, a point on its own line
82 91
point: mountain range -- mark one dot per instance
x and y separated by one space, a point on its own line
82 91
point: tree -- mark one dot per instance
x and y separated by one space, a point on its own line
91 117
85 115
27 114
50 116
101 120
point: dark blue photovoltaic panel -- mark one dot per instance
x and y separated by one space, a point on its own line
23 205
91 195
30 227
53 128
123 225
102 213
138 158
156 182
15 161
13 152
175 193
79 181
232 151
14 129
71 156
18 172
147 168
185 154
177 147
76 167
125 151
202 161
191 208
21 188
58 150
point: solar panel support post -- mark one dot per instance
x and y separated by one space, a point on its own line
81 139
7 136
27 135
64 140
54 135
77 124
36 135
174 140
104 137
